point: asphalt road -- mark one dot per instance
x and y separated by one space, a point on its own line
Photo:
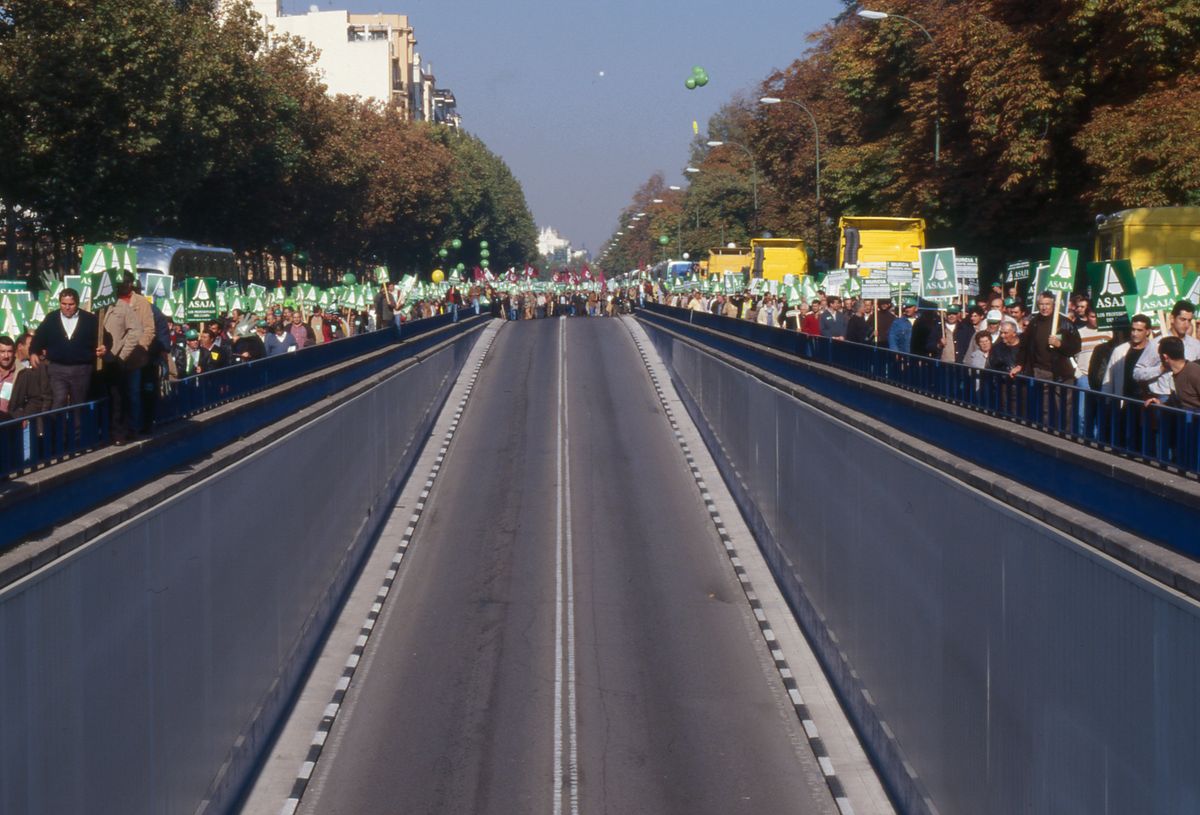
567 634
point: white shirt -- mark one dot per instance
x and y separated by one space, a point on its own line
69 323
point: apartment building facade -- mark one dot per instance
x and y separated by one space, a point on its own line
372 56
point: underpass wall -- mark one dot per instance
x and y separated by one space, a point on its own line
991 663
146 671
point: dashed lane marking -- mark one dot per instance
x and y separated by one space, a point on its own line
781 665
304 775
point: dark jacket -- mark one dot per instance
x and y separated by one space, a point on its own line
858 329
212 359
927 331
80 349
964 335
1060 358
250 343
1003 357
31 392
885 319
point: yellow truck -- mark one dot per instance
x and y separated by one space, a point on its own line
774 258
729 260
1150 236
867 243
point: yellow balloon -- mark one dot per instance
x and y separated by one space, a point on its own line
438 276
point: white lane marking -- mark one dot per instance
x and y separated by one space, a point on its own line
558 591
565 738
572 730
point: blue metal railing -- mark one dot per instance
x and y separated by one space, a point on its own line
1165 435
27 443
32 442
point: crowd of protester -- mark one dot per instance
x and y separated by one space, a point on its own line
139 353
533 305
998 333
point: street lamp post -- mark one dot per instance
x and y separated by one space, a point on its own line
753 172
774 100
868 14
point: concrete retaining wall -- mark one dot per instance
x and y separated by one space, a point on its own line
991 663
145 671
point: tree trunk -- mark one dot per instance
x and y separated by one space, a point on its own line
12 250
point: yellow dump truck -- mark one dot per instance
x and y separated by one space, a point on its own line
868 243
775 258
729 260
1150 236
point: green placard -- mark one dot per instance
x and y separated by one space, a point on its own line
1156 288
200 299
100 257
157 286
103 288
1018 270
1061 277
13 285
35 312
938 280
1109 282
1189 288
10 323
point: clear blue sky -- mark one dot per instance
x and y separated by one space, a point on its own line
526 74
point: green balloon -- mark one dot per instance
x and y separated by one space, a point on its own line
697 70
348 279
690 83
664 239
483 244
485 263
461 266
702 80
483 253
443 252
456 244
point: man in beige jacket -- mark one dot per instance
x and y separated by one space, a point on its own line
129 336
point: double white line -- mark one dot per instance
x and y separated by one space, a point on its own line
566 763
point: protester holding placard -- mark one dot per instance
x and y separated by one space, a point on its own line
901 331
129 336
1046 353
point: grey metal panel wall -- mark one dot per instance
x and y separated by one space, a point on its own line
144 672
993 664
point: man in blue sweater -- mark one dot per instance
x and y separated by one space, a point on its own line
70 340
